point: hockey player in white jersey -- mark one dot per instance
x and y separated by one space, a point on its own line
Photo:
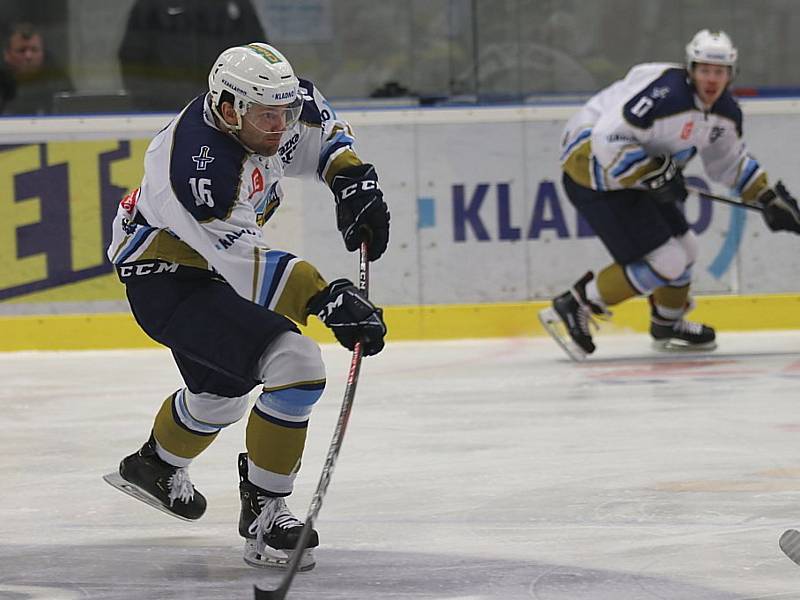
622 156
202 280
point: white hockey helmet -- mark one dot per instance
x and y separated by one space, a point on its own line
255 74
713 47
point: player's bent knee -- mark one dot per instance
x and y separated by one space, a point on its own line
289 359
669 260
211 409
294 377
689 243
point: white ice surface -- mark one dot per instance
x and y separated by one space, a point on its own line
471 471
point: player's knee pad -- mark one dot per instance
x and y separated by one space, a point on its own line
670 259
294 378
210 409
688 242
666 265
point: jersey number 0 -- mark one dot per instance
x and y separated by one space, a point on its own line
642 106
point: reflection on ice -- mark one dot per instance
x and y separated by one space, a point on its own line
471 471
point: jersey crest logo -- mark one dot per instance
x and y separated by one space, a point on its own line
129 201
686 132
258 182
203 159
659 92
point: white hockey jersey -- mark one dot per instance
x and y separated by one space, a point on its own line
612 142
204 198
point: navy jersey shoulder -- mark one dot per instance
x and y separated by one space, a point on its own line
205 165
728 107
667 95
311 113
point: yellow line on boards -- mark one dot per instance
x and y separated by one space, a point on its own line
433 322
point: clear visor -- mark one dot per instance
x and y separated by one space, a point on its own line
274 119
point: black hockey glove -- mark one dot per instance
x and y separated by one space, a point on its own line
666 182
350 315
780 209
361 213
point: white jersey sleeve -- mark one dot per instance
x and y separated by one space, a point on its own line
323 144
726 158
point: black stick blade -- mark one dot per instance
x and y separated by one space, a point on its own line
278 594
790 544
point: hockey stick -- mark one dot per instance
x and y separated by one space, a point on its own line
724 199
790 544
333 452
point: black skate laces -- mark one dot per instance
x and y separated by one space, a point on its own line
273 512
180 486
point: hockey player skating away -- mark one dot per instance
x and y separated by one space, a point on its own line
622 156
201 280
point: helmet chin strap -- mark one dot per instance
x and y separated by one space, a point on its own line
232 130
235 135
224 123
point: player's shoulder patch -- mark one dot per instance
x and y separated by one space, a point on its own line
306 87
667 95
205 165
728 107
311 113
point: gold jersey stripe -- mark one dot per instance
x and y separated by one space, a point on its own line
256 273
754 190
577 164
169 248
303 282
346 158
643 171
120 247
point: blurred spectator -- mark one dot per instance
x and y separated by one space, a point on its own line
169 44
390 89
27 79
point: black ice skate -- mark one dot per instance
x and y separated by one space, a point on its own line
146 477
270 530
569 317
679 335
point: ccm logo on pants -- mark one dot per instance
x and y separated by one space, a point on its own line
146 268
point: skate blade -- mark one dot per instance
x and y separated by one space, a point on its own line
116 480
676 345
552 323
790 544
271 558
